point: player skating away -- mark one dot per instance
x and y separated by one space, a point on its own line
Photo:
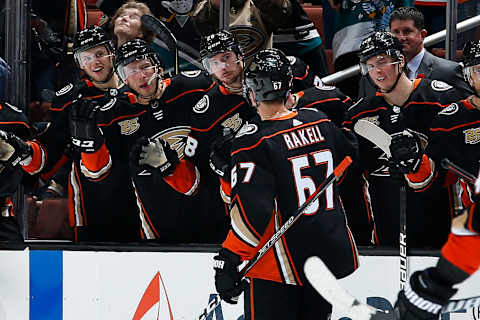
154 143
279 159
400 104
453 135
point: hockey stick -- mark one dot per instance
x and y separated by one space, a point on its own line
337 172
465 175
382 139
329 288
164 34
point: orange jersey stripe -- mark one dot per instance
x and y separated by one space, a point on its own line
185 179
97 160
220 119
38 158
463 252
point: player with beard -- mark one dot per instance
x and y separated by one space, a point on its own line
279 158
453 135
151 144
404 109
101 207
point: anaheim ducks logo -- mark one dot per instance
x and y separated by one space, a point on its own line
176 137
129 126
250 39
234 122
472 135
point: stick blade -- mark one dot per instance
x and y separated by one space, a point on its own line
329 288
160 29
375 134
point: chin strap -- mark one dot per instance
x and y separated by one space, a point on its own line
396 81
109 77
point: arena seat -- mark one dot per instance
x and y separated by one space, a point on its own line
48 219
94 16
315 13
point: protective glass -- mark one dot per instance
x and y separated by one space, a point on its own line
218 62
136 68
86 58
380 65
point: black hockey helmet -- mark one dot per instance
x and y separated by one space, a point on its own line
135 50
377 43
90 37
216 43
471 57
269 76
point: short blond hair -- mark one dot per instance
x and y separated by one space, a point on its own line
133 4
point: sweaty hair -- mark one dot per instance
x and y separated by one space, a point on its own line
409 13
132 4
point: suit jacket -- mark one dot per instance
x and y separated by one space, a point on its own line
432 67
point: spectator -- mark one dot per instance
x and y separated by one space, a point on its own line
407 24
401 105
126 25
273 176
354 21
460 255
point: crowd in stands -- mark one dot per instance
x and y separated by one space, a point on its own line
156 165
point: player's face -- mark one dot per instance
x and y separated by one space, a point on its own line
128 24
141 75
475 78
383 70
96 62
226 67
410 37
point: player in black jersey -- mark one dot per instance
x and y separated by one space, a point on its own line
152 144
455 135
278 160
100 208
404 109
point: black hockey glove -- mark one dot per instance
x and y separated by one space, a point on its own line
407 152
423 297
13 150
155 153
86 136
228 282
220 159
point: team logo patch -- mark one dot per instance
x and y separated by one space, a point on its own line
247 128
373 120
318 83
13 107
472 136
234 122
451 109
64 90
438 85
191 74
176 137
113 92
108 105
129 126
292 60
251 40
202 105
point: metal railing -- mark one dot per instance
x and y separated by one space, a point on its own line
430 40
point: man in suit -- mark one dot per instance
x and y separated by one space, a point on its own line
408 25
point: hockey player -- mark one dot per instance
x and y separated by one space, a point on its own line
453 135
404 109
101 208
224 107
14 153
278 160
154 144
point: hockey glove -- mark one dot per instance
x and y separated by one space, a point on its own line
220 158
228 282
155 153
13 150
406 151
423 297
86 136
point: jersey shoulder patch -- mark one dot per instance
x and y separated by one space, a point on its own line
438 85
318 83
202 105
13 108
292 60
247 129
450 110
64 90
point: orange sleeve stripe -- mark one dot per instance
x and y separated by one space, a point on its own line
463 252
185 179
219 119
97 160
226 187
235 244
424 176
38 158
188 92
